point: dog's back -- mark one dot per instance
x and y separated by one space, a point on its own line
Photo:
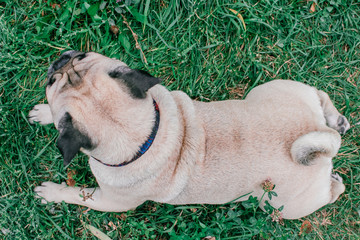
252 140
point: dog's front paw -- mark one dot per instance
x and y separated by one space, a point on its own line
342 124
50 192
41 113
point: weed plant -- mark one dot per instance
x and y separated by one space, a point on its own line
212 50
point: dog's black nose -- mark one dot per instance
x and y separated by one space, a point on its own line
63 60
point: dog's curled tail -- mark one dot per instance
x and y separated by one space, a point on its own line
312 145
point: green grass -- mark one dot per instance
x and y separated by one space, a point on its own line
199 47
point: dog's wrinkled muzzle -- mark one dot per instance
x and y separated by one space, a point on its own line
64 64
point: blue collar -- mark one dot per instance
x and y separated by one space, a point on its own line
145 146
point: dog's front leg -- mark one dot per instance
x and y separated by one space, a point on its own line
41 113
93 198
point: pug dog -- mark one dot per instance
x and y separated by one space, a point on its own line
147 143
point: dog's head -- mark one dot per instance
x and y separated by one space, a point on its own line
87 91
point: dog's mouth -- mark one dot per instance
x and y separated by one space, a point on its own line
62 65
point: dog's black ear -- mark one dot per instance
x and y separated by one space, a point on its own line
71 139
138 81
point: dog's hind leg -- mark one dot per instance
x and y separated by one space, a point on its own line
41 113
93 198
337 187
333 118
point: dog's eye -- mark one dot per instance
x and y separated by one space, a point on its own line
51 80
78 58
54 78
81 56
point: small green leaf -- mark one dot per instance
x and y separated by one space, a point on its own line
119 10
182 225
138 16
39 27
65 16
329 9
232 214
77 12
92 10
202 225
102 5
247 205
124 40
253 221
86 5
97 18
96 232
